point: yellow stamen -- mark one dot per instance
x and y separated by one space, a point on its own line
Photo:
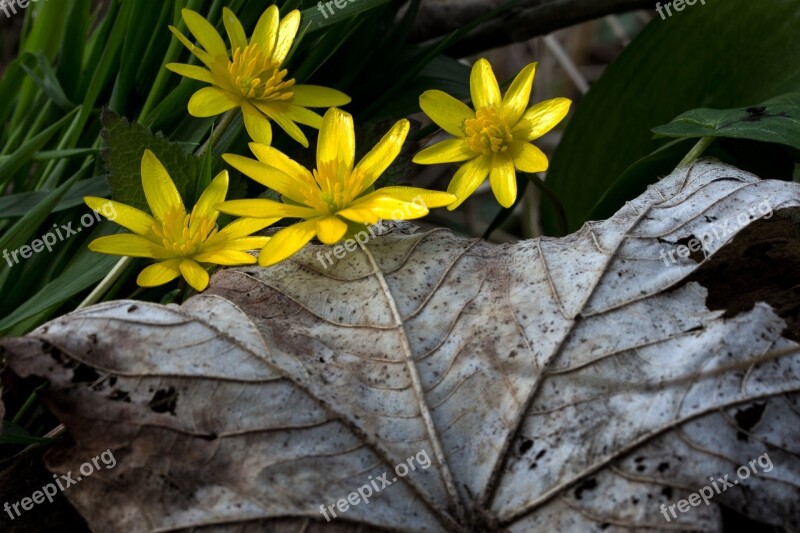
487 132
257 76
176 234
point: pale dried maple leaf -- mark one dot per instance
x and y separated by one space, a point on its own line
555 384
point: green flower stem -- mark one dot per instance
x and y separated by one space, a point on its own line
106 283
216 132
562 215
28 404
696 151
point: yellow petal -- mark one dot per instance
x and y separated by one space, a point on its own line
160 191
541 118
204 208
211 101
226 257
191 71
243 227
275 158
384 207
286 242
126 216
286 33
205 33
336 146
467 178
418 195
195 275
331 229
316 96
159 273
235 30
304 116
377 160
448 151
201 54
516 99
282 120
263 208
248 243
292 112
483 85
527 157
447 112
503 179
361 216
266 31
269 176
127 244
257 125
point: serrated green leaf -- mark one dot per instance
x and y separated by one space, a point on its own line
776 121
126 143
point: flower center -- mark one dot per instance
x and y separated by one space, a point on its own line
335 191
179 235
487 132
256 75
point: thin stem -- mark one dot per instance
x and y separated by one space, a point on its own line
106 283
28 404
562 215
182 287
696 151
217 132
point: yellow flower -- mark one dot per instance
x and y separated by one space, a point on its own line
179 241
252 78
494 139
334 197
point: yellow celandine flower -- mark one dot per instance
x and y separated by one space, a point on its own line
181 242
494 139
334 197
252 78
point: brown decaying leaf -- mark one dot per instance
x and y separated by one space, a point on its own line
556 384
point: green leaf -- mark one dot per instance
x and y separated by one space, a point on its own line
85 271
126 143
17 205
638 176
39 70
9 164
16 434
25 227
775 121
316 18
723 55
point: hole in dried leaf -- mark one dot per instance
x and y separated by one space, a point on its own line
164 401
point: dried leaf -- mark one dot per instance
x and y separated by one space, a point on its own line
555 384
